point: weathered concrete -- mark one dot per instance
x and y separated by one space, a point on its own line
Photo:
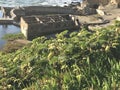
6 11
16 13
34 26
6 21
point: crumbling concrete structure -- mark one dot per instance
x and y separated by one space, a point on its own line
16 13
6 11
34 26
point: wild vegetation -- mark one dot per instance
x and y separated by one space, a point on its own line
11 37
12 45
83 60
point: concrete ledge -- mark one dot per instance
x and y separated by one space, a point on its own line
6 21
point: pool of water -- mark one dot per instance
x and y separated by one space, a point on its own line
10 29
7 29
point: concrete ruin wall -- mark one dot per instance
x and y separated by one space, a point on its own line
48 10
6 11
16 13
35 26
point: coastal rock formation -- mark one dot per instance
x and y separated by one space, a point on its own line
118 18
96 3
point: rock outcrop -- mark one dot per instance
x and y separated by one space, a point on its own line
96 3
118 18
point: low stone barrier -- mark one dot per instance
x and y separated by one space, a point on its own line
6 21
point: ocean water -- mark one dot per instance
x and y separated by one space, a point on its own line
11 3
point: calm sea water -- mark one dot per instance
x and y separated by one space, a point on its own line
6 30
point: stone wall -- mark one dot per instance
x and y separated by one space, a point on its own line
16 13
34 26
48 10
6 11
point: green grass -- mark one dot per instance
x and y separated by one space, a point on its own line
84 61
10 37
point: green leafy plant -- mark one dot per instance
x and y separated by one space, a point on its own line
77 61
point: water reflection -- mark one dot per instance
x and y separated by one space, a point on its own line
7 29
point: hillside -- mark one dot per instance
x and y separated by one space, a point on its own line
82 60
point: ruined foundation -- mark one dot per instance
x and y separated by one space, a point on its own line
34 26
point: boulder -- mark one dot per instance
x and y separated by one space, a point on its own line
118 18
100 12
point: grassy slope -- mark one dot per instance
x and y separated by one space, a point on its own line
85 60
